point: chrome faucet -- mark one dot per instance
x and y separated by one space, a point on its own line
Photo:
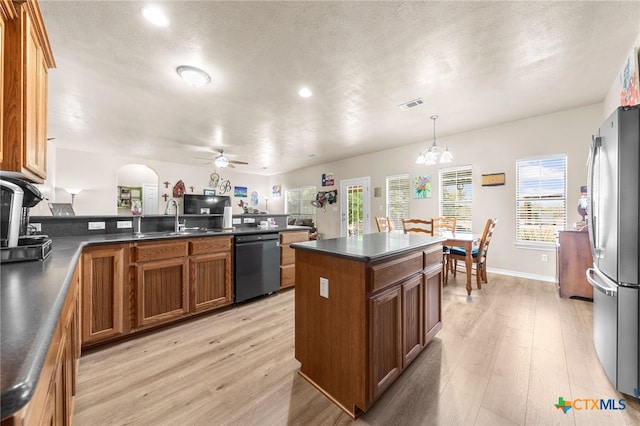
167 210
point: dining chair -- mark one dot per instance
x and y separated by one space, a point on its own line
444 224
383 223
417 226
479 253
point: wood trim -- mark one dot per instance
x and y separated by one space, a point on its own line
8 10
33 9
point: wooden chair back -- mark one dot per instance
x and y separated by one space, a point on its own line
417 226
444 224
486 239
383 223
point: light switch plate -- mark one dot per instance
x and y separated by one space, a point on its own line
236 221
324 287
125 224
96 225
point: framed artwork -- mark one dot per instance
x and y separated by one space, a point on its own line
493 179
327 179
240 191
209 191
422 186
276 191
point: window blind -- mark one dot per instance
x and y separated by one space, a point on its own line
398 197
541 198
298 202
456 195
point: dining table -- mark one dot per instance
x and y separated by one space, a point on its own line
466 241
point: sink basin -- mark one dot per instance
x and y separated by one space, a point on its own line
163 234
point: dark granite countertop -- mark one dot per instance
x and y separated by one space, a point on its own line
369 247
32 294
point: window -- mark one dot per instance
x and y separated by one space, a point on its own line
298 203
540 199
456 190
398 196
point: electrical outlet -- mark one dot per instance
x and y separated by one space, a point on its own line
124 224
236 221
96 225
324 287
249 220
545 258
37 226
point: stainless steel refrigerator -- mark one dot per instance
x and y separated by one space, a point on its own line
613 212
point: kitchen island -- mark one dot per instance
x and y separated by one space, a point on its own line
365 307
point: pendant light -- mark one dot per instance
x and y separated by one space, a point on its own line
430 157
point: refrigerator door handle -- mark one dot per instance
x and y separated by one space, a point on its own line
600 282
596 143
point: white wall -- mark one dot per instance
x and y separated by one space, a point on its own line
97 176
490 150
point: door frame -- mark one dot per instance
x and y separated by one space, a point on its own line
365 182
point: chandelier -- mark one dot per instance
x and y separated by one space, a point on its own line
430 157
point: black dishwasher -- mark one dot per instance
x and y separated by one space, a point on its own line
257 265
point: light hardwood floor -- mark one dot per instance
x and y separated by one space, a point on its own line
503 357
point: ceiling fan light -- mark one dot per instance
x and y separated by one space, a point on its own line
192 75
221 162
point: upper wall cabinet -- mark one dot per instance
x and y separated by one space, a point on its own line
27 58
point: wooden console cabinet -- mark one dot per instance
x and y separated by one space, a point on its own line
573 259
356 334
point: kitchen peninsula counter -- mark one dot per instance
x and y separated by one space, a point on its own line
32 298
365 307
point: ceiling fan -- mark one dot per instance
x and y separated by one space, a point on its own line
223 161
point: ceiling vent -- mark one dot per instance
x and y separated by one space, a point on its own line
411 104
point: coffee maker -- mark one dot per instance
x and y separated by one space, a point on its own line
17 196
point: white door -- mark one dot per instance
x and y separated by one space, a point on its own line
149 198
355 206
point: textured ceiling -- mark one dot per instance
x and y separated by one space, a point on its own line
475 64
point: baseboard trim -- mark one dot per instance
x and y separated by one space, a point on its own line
522 275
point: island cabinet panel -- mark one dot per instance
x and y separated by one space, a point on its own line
53 398
331 332
412 318
386 339
359 323
287 256
105 292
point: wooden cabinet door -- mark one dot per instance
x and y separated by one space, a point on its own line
162 291
211 285
26 59
412 318
385 324
105 292
433 302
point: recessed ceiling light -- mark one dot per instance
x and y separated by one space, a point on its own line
305 92
155 16
192 75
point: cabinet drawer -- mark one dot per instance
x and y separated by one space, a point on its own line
157 251
387 273
294 237
287 275
433 257
209 245
287 255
